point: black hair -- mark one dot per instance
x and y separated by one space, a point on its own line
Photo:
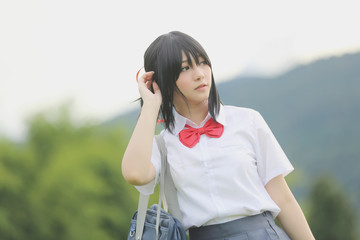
164 57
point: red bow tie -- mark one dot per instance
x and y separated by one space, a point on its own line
191 136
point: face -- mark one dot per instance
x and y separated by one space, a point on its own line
194 83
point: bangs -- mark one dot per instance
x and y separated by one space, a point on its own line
194 49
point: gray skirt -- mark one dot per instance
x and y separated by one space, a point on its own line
257 227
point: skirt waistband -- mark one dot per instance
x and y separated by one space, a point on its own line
233 227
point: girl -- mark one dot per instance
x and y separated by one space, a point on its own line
226 164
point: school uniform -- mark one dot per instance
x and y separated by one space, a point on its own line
220 181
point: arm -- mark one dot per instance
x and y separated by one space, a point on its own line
137 168
291 216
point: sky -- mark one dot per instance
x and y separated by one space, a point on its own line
88 52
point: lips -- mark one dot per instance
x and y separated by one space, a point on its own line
201 86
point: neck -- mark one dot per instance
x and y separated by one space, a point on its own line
195 113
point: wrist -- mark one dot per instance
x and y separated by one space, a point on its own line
151 110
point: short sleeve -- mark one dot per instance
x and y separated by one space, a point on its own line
148 188
270 157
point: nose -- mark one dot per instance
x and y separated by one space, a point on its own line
198 73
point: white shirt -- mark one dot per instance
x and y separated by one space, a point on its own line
222 179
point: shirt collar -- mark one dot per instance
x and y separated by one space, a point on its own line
181 121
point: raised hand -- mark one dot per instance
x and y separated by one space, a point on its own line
144 84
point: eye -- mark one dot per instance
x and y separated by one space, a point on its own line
203 62
183 69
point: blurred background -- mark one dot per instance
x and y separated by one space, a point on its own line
67 91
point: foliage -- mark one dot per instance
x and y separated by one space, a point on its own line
64 182
331 214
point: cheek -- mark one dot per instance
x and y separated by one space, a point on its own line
208 76
208 72
182 84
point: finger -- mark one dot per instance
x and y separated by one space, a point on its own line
148 84
155 86
146 76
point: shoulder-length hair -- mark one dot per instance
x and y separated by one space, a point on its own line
164 57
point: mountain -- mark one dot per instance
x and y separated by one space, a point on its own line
314 112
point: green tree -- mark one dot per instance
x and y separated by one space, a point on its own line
16 215
64 182
331 216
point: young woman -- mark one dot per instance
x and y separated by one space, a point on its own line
226 164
